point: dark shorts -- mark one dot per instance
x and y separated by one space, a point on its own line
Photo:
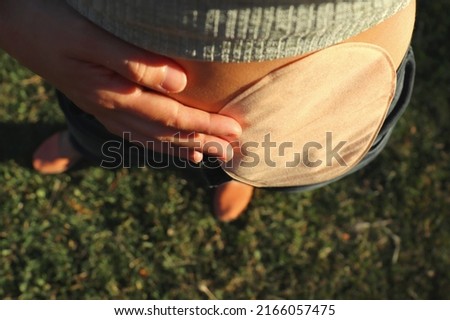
110 151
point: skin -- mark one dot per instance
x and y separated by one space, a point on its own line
212 85
128 89
122 86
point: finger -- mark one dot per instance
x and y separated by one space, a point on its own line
142 67
155 145
169 113
208 144
167 148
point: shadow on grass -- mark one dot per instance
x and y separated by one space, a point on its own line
19 140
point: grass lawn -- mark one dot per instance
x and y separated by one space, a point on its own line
381 233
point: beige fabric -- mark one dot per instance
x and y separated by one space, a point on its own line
236 30
340 94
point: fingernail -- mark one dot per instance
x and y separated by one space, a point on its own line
235 131
175 80
197 157
228 153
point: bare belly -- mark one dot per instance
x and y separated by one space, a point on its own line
212 84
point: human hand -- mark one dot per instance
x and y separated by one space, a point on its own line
121 85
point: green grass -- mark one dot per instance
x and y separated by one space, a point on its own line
382 233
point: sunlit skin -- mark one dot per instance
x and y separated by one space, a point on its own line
210 85
118 83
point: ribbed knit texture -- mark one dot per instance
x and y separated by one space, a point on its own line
236 30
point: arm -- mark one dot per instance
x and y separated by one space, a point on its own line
124 87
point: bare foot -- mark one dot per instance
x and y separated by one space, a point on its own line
56 154
231 199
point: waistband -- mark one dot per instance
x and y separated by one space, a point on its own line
405 83
88 135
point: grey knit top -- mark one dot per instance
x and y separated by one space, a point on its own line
236 30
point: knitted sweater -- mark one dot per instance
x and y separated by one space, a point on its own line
236 30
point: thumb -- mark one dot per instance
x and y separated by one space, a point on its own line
142 67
